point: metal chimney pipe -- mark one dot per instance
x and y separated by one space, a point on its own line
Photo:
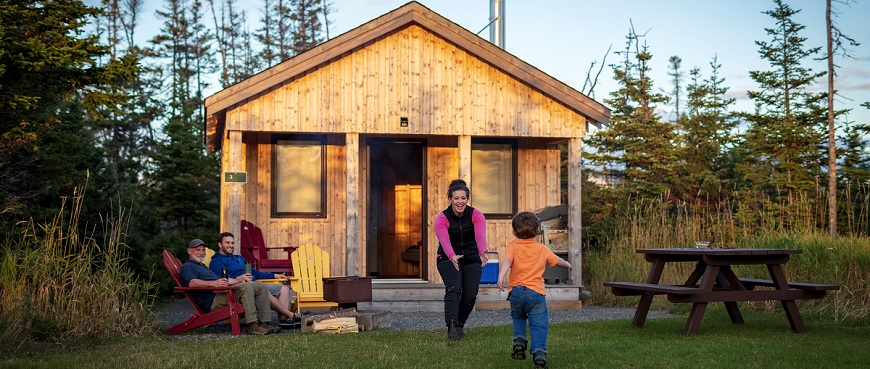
496 21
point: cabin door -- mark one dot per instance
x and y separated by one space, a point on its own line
394 234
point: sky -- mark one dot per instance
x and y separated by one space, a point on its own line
563 37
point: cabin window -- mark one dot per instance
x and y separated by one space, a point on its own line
298 178
493 173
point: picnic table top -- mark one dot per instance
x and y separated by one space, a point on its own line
717 251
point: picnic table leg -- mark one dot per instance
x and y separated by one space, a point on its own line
655 273
789 306
728 280
696 274
642 310
696 314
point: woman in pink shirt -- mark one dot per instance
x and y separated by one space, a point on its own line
461 233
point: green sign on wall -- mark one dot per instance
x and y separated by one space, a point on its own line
236 177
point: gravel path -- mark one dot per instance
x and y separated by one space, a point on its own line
177 311
482 318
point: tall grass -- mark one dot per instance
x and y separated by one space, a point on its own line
59 285
841 260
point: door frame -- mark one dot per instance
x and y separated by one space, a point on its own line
371 239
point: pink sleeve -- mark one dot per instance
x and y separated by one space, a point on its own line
441 225
479 222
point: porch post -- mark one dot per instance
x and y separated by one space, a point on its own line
352 201
232 193
465 159
575 242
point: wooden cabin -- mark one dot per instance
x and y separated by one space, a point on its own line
352 145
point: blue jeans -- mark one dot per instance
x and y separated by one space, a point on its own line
528 305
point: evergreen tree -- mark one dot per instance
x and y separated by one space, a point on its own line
124 131
636 153
184 193
50 81
676 74
233 42
854 158
328 7
835 43
707 131
782 146
269 35
284 28
307 28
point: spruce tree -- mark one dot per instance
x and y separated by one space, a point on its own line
233 42
707 131
124 131
676 74
183 194
636 153
51 83
307 28
781 150
328 8
268 35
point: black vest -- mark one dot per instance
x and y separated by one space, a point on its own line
461 231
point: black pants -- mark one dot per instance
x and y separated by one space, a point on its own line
460 287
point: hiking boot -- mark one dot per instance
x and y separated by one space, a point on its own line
519 348
460 330
540 359
452 333
258 329
272 328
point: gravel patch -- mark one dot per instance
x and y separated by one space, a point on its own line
179 310
485 318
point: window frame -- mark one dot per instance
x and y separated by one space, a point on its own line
514 180
323 177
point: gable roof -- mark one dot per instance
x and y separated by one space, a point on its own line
410 13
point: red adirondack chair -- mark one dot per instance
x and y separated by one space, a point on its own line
203 318
254 250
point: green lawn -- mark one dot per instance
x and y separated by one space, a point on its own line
765 341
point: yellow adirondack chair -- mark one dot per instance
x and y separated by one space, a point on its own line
310 266
208 254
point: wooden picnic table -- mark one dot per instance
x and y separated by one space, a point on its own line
713 280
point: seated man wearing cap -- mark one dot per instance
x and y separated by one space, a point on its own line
235 265
253 296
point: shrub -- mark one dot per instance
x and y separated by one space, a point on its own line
59 285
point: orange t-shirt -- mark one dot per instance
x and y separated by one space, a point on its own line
528 261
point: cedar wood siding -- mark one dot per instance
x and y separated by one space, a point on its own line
410 71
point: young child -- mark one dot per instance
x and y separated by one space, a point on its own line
526 259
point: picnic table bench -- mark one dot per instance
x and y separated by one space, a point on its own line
713 280
634 288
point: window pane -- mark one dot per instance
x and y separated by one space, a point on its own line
299 176
492 175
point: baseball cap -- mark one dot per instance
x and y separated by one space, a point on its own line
196 242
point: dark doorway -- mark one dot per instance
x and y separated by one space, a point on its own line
395 220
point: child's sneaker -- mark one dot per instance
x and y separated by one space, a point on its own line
540 359
519 348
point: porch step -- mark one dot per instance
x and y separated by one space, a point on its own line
410 297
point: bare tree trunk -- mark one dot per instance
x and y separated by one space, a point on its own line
832 149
